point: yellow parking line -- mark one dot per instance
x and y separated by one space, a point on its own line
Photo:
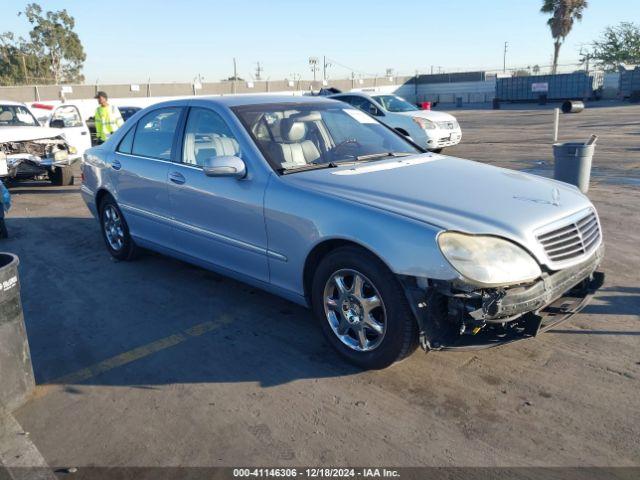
141 352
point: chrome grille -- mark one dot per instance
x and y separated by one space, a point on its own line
573 240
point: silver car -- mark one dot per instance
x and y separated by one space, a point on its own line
319 203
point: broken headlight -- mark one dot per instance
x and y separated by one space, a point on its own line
488 261
60 155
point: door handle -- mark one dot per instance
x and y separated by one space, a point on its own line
83 133
116 165
177 177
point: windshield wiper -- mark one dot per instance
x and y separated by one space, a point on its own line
376 156
308 166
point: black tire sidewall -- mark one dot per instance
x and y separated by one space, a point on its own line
127 251
400 322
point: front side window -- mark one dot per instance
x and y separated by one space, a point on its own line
69 116
155 132
207 135
391 103
16 116
292 136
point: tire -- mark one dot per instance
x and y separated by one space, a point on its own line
61 177
342 315
115 231
437 150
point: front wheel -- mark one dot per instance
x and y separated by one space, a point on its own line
436 150
115 231
362 309
61 177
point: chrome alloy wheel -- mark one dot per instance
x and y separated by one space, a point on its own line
354 310
112 224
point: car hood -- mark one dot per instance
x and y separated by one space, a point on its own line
22 134
452 194
429 115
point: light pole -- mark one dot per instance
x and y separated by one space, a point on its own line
504 57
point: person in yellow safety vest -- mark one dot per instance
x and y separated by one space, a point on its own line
107 118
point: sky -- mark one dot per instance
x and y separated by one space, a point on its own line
174 41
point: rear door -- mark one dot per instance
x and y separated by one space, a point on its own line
75 130
140 167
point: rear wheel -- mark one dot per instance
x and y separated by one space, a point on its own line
115 231
61 176
362 309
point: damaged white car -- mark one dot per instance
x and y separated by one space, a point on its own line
30 150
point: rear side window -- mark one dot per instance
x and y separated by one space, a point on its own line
127 142
155 132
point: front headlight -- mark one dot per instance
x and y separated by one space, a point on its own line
61 155
488 261
424 123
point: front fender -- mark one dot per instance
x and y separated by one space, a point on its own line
298 220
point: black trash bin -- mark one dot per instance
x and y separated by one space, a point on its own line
16 372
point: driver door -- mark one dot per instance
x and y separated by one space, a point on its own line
218 220
75 129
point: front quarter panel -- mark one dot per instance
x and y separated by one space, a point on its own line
298 220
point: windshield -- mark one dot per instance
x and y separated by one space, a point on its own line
16 116
391 103
297 136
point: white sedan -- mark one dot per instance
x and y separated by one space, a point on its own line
431 130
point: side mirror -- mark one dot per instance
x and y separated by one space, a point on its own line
225 166
373 110
56 123
403 133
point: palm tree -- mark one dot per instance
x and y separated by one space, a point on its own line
563 14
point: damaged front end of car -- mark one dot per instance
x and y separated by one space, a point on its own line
32 158
457 315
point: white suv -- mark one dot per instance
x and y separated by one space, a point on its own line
431 130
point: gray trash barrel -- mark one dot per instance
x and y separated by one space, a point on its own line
16 371
572 163
572 106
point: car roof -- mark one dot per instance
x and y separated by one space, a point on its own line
240 100
11 102
367 95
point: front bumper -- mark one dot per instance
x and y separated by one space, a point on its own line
26 166
442 138
477 319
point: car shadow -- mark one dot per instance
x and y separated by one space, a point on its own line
154 321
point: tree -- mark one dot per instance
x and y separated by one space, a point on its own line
563 14
616 45
53 52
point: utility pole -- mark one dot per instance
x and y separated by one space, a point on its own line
504 57
24 70
313 64
259 71
325 65
235 69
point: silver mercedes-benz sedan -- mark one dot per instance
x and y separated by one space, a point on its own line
320 203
